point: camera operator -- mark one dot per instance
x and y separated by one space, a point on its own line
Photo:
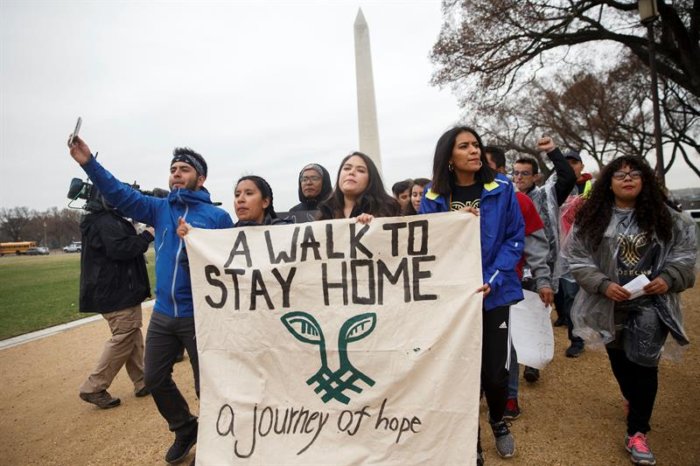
113 282
172 321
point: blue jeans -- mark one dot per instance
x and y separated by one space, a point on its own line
513 373
564 300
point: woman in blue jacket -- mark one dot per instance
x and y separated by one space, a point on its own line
463 181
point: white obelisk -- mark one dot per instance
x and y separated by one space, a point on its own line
366 106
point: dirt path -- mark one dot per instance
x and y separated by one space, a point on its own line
572 416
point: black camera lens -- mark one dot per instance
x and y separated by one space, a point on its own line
78 189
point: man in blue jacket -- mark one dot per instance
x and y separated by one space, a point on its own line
172 322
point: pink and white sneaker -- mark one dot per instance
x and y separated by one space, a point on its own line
638 446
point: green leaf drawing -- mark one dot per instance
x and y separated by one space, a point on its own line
358 327
304 327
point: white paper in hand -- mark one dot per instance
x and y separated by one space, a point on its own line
531 330
636 286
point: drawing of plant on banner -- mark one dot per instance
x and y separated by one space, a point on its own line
333 384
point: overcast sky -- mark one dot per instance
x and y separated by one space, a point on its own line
257 87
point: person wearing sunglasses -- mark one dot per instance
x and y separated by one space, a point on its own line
626 232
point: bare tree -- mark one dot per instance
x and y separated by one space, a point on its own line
535 66
63 226
682 126
57 227
606 114
499 44
13 222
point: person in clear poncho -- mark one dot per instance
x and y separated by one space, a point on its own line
623 231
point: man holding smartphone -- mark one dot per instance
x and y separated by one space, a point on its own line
172 323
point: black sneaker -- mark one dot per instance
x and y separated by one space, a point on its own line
102 400
531 374
181 446
141 393
574 351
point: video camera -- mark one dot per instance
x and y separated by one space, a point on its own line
80 189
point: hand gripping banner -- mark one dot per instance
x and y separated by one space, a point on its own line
339 343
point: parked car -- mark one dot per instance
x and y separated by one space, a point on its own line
38 251
75 246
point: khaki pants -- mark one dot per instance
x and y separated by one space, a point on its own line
125 347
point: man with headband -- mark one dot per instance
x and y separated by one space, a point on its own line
172 322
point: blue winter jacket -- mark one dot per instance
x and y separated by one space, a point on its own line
173 287
502 238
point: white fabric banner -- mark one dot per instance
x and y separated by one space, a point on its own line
339 343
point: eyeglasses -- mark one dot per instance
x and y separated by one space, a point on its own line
523 173
313 179
620 175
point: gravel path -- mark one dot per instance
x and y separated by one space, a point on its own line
572 416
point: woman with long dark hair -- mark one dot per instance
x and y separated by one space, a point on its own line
626 233
417 189
463 181
359 192
253 204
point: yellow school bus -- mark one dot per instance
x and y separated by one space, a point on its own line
18 247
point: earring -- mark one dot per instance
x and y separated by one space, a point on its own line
450 167
480 163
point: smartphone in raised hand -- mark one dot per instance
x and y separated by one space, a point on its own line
75 132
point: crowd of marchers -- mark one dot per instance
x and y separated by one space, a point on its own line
611 254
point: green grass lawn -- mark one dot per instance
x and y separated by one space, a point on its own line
41 291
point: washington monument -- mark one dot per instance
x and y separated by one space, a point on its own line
366 106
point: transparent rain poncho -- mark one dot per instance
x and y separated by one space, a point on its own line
545 200
650 318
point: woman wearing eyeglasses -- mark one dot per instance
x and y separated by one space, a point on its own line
625 233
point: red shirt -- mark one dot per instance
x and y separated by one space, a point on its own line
533 222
